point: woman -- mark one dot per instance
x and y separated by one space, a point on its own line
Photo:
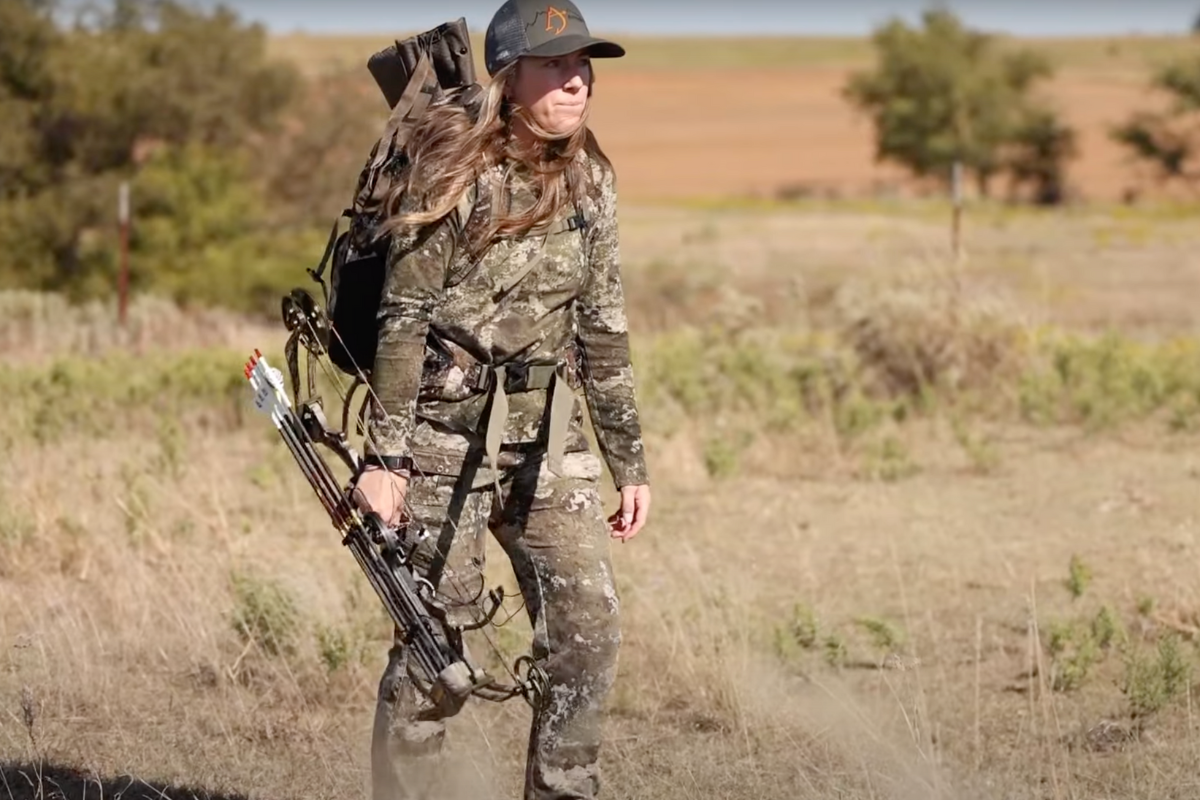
503 314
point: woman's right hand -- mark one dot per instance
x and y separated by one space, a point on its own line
382 491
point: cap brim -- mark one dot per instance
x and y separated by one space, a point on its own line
562 45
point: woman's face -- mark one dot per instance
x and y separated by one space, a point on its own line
554 90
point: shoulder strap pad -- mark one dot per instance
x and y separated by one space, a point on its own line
466 206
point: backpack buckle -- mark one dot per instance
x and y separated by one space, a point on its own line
516 377
477 377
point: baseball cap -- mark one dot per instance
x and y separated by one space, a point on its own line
540 28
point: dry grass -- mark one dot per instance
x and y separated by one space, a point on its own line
893 614
36 326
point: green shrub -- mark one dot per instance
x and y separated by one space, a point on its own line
1151 683
265 614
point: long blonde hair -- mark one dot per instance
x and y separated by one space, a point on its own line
453 145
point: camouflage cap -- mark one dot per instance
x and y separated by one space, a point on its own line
539 28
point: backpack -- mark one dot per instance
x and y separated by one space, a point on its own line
411 74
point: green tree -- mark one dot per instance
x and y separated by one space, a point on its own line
343 113
1040 147
1168 140
86 106
27 38
941 93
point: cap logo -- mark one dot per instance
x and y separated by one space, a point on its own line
556 20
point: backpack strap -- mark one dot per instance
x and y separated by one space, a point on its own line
466 207
318 273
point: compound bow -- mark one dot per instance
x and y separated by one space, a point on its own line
447 674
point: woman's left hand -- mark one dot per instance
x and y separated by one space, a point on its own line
629 519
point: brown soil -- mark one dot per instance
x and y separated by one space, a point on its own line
692 133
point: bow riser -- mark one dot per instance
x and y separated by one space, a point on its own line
438 646
449 678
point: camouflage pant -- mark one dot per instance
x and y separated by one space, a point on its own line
553 531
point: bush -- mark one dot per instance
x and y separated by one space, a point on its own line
1168 140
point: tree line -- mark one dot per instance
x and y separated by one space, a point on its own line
941 93
234 160
238 163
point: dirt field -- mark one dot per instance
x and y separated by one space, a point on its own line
687 119
752 133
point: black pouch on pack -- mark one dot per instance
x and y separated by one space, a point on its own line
411 74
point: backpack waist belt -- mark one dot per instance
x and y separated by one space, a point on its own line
501 380
507 378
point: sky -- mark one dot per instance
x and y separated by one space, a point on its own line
682 17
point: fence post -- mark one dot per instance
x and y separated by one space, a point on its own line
123 279
956 199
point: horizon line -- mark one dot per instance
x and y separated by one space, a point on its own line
709 36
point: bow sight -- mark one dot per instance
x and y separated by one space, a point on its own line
441 669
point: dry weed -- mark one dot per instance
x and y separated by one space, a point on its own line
932 330
36 326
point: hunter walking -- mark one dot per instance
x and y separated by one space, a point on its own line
502 317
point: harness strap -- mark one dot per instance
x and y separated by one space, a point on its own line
552 377
504 287
536 376
562 402
563 226
497 420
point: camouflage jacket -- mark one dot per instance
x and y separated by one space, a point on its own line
530 299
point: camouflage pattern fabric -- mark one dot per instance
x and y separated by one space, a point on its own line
552 529
527 301
552 298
